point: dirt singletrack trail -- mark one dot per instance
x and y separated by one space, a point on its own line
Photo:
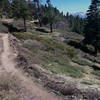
33 91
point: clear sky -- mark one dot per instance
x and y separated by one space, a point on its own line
71 6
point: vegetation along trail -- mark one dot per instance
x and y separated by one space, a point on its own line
8 64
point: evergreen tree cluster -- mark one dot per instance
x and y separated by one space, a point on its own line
30 9
76 23
4 7
92 25
34 9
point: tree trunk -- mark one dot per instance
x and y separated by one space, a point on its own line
25 29
40 23
96 47
96 51
51 29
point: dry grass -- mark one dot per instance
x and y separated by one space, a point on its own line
69 90
8 87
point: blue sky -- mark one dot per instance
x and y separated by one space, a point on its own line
71 6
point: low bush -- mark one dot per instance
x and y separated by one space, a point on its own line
65 89
26 36
87 82
96 72
82 62
7 83
92 58
73 71
90 47
91 94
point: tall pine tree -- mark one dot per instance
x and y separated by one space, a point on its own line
92 26
5 8
20 10
51 16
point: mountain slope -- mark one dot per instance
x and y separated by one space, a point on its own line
53 61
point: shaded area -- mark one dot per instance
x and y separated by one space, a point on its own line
3 29
79 45
42 30
11 28
95 67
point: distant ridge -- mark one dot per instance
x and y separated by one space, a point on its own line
80 14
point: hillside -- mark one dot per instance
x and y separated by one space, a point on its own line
14 83
57 61
47 52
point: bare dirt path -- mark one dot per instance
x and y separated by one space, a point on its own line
32 91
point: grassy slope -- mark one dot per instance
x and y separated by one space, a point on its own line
53 55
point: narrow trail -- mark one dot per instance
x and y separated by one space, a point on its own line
33 91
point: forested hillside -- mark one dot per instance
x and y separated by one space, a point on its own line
45 13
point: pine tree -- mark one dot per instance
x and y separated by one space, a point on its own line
1 1
67 15
4 7
51 15
92 26
20 10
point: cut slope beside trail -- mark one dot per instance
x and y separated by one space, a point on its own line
33 91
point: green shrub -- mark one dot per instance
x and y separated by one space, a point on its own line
87 82
73 71
92 58
81 61
51 45
71 52
26 36
90 47
96 72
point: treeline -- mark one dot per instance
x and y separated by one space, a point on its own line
34 9
31 9
76 23
49 15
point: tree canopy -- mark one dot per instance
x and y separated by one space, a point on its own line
92 25
20 10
